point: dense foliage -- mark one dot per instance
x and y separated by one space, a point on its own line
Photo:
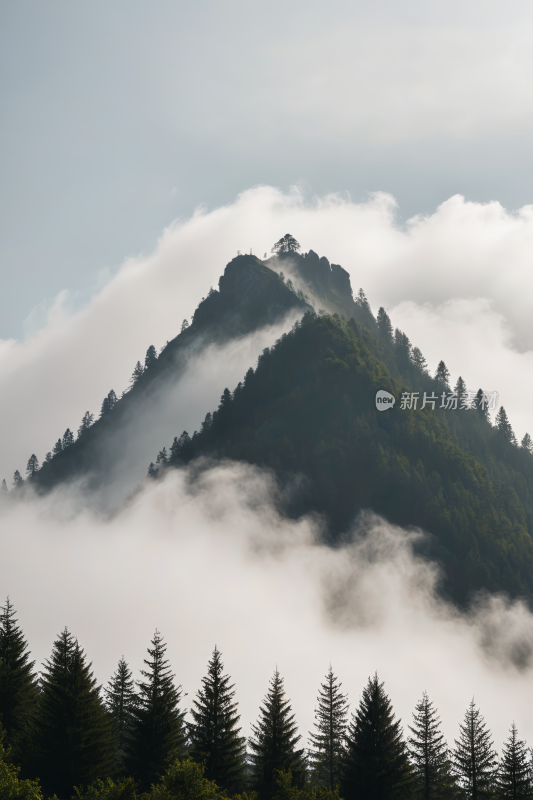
309 408
133 740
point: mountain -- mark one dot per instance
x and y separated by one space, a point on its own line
308 409
308 413
251 297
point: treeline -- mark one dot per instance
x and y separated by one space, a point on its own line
131 737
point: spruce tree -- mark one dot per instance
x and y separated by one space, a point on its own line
108 403
68 438
86 422
215 734
474 758
460 390
384 325
48 458
515 779
19 692
527 443
157 729
57 448
429 754
162 457
120 700
481 404
504 426
326 752
18 480
152 470
32 467
150 357
376 764
274 741
442 375
76 736
362 301
137 373
184 325
418 360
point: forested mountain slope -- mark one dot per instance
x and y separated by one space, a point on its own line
309 408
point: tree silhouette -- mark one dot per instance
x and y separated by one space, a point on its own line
214 734
137 373
429 754
287 244
418 360
326 752
120 700
442 375
150 357
384 325
86 422
515 779
474 758
68 438
32 467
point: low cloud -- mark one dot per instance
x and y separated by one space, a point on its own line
210 561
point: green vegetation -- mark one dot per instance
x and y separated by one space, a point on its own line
309 408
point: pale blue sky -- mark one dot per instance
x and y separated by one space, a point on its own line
119 116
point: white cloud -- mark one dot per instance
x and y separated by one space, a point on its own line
213 563
458 281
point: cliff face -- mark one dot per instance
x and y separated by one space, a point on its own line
328 284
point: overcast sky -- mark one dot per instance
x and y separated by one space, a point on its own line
119 116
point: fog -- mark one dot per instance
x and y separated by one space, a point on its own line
210 562
457 281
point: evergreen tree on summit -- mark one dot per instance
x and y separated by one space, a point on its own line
418 360
108 403
137 373
214 733
157 728
86 422
68 438
287 244
376 764
504 426
429 754
274 742
326 752
57 448
19 691
76 737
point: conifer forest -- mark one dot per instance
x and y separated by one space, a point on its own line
440 460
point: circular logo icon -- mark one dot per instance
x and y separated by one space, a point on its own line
384 400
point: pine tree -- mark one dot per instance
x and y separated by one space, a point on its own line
214 734
152 470
384 325
481 404
150 357
287 244
274 741
32 467
442 375
19 691
376 764
137 373
184 325
108 403
68 438
18 480
515 779
327 744
76 737
57 448
460 390
418 360
86 422
157 730
504 426
120 700
362 301
527 443
429 754
474 759
48 457
162 458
